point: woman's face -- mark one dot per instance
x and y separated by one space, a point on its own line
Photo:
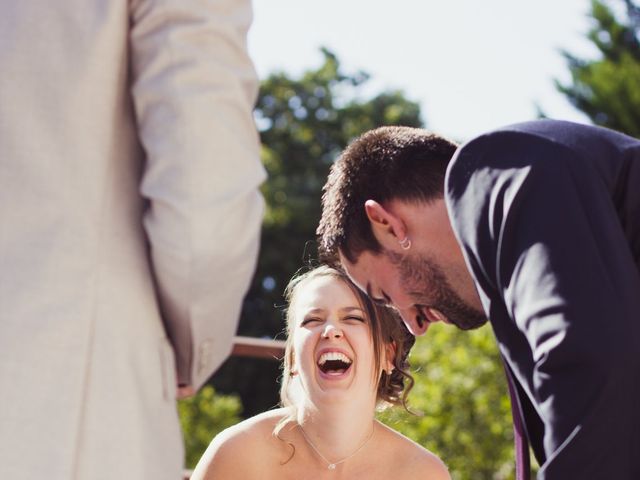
332 345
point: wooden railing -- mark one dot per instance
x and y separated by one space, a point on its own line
256 348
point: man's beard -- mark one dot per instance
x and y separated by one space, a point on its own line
426 283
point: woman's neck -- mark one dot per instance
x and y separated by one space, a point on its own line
336 431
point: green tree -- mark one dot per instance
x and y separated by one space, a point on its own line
305 122
606 88
204 416
460 395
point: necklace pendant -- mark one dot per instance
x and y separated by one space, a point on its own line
332 466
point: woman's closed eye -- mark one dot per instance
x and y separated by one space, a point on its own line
311 320
355 318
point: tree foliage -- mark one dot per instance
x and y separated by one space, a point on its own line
202 417
305 122
460 395
606 88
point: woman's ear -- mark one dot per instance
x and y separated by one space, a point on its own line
292 361
386 226
390 354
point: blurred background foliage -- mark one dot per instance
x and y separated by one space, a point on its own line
461 399
204 416
607 87
304 123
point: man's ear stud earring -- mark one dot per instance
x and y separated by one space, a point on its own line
405 243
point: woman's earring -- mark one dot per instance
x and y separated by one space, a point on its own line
405 243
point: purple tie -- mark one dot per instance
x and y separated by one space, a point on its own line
523 468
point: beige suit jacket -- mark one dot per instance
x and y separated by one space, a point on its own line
129 168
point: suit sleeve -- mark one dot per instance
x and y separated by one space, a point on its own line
194 88
542 240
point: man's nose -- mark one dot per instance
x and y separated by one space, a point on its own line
408 314
414 319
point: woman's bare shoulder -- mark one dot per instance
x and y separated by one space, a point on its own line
413 461
252 430
227 453
257 425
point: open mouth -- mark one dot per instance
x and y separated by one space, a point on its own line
334 363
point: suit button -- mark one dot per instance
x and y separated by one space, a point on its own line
206 349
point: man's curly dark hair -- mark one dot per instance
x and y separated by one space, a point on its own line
387 163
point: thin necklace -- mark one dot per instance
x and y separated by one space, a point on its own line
330 465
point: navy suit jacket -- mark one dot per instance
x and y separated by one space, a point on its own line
548 217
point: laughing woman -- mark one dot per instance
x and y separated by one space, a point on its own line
344 356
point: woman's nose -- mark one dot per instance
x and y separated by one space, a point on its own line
331 331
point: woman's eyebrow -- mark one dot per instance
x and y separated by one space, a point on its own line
351 309
314 310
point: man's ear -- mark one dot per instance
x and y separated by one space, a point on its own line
386 226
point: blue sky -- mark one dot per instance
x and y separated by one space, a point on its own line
472 65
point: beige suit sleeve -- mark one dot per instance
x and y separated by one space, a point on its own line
194 88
